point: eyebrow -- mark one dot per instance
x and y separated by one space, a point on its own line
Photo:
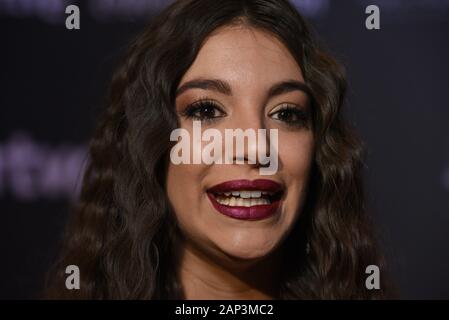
224 87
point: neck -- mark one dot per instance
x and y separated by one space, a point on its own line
203 278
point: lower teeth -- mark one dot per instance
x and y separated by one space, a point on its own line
240 202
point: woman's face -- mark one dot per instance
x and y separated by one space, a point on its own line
225 220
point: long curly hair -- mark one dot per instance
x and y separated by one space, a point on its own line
122 234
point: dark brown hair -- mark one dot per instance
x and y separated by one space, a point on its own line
121 234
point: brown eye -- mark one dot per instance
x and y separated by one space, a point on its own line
204 110
290 115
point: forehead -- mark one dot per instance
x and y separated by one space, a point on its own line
245 57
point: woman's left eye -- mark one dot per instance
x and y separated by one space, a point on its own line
291 115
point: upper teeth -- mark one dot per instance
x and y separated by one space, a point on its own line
246 194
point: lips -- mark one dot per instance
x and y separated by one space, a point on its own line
247 199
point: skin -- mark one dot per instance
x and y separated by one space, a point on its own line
223 257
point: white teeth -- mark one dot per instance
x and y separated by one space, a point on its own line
245 194
243 198
256 194
241 202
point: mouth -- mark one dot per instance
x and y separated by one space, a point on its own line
246 199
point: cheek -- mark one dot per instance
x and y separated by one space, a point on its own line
184 189
296 153
188 200
296 156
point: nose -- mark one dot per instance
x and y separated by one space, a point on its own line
249 141
256 163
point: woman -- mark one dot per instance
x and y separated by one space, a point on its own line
147 228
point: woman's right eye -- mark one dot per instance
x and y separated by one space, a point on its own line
203 110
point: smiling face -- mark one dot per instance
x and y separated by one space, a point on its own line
259 87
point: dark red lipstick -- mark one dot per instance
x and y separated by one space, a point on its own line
247 199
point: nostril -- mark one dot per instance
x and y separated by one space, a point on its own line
245 159
264 165
241 159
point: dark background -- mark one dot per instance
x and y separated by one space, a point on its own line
53 81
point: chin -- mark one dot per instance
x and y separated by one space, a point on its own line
248 247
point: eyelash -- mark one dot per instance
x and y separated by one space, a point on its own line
191 111
301 115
